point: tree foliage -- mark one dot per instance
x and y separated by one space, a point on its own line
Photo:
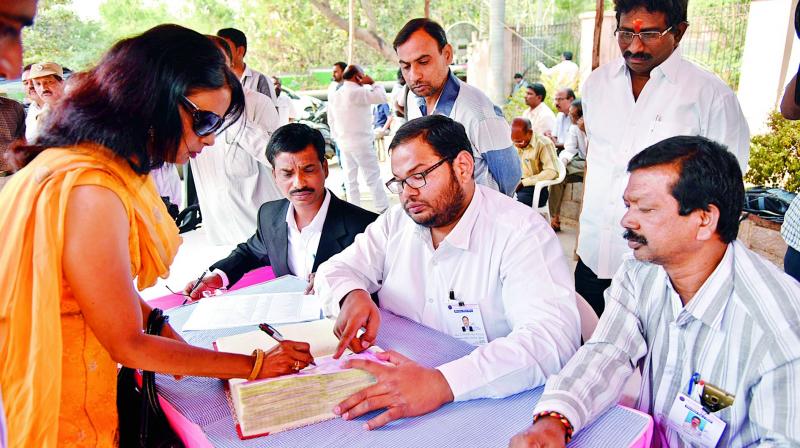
775 157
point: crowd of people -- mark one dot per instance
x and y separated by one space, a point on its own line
659 144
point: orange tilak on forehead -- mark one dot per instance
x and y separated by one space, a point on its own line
637 25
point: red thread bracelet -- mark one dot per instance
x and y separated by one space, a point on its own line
564 421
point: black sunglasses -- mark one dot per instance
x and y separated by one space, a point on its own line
204 122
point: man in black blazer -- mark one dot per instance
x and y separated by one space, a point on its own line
297 234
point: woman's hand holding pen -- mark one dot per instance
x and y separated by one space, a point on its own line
285 358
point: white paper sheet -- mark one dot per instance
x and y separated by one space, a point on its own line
230 311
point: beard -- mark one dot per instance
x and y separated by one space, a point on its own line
446 209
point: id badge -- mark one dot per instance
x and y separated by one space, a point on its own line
466 323
694 424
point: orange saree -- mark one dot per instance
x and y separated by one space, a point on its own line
58 383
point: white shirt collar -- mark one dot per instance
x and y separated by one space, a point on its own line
319 219
668 69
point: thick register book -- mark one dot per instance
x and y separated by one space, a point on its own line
272 405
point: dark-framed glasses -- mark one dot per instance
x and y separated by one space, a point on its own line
415 181
647 37
204 122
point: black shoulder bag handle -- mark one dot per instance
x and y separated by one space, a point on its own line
142 423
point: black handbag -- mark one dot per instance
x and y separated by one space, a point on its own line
142 423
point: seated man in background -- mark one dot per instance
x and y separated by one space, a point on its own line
294 235
573 157
537 154
696 312
452 249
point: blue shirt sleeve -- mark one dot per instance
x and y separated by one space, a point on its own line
505 168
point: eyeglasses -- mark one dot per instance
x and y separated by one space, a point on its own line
204 122
415 181
557 99
647 37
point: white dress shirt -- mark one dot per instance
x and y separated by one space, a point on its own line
561 128
233 177
564 74
286 109
575 145
168 183
542 118
679 99
502 256
31 125
352 112
303 244
739 332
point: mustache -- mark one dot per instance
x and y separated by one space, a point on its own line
630 235
645 56
46 91
302 190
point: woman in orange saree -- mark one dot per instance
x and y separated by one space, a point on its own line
83 219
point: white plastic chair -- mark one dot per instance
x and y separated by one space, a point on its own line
589 320
537 190
588 317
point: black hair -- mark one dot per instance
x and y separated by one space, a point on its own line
567 55
341 65
430 27
570 93
538 89
674 10
577 104
517 75
351 72
223 45
707 174
446 136
237 37
130 101
293 138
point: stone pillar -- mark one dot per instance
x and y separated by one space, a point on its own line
497 15
770 59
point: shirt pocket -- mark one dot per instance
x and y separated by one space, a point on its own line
664 129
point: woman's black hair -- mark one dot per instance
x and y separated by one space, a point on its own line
130 101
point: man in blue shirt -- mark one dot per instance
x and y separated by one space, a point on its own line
425 57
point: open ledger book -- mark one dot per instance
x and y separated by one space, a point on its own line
272 405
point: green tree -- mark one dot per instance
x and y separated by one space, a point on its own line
60 36
775 157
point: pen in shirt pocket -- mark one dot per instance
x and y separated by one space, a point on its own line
653 125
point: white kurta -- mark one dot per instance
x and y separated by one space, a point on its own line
233 177
351 110
286 109
168 183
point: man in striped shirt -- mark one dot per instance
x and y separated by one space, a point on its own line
694 300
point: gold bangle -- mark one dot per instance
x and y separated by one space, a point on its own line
259 354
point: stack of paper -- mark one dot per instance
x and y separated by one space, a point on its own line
229 311
272 405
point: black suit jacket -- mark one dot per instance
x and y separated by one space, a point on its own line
270 244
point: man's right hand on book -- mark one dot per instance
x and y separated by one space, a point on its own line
285 358
358 311
210 283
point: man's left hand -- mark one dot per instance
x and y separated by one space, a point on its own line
405 388
310 286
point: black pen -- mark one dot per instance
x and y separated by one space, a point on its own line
197 283
275 334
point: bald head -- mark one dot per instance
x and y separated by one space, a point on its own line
521 132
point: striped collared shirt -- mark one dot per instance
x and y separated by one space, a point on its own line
740 332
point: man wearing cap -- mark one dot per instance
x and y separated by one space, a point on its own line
48 80
34 101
